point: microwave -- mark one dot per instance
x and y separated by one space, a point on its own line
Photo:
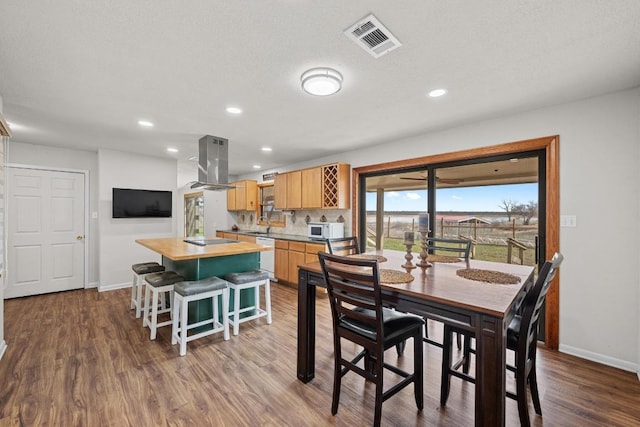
325 230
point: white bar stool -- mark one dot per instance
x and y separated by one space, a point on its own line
157 283
247 280
186 292
139 272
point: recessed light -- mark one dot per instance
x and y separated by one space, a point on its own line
437 92
267 149
145 123
172 150
256 166
234 110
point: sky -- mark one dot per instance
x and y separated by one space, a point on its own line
470 199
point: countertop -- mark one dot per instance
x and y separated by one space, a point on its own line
178 250
291 237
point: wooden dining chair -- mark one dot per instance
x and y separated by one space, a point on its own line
459 248
344 246
358 316
522 338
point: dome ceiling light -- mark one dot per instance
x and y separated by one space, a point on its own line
321 81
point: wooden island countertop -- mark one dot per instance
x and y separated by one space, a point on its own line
176 249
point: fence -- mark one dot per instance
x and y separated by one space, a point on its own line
494 235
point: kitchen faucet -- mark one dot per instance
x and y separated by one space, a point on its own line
267 220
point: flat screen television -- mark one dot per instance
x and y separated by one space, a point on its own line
131 203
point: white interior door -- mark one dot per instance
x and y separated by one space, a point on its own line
45 231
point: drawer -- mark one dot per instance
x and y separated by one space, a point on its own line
281 244
297 246
314 248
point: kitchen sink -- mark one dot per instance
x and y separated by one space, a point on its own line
255 233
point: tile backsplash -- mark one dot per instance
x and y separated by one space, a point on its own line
295 220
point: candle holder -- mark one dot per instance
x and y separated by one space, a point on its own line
408 256
423 263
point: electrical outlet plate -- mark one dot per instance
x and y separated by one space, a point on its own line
568 221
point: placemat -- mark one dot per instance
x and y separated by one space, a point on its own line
394 276
379 258
442 258
488 276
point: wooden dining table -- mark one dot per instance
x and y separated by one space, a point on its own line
438 293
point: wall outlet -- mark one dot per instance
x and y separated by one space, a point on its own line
568 221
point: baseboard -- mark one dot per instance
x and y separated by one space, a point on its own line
3 348
105 288
599 358
91 285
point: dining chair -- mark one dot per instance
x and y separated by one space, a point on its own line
344 246
460 248
522 338
358 316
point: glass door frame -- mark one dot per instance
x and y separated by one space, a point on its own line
549 197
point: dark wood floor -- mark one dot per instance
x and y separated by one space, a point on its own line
76 359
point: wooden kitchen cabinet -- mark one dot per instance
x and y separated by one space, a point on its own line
294 190
232 236
322 187
245 238
311 251
280 191
281 260
244 197
220 234
296 257
311 188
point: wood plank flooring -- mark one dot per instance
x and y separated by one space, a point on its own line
82 359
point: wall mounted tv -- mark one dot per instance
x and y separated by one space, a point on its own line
130 203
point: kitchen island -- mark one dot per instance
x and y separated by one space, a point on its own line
206 257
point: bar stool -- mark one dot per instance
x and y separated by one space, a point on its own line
247 280
186 292
139 272
157 283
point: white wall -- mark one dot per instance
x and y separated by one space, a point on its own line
599 183
3 344
118 249
52 157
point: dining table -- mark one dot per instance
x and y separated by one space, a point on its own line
443 292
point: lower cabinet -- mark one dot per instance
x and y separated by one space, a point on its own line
290 254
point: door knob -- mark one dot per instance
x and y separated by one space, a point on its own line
79 237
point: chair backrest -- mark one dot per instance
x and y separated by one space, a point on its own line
343 246
460 247
354 286
532 306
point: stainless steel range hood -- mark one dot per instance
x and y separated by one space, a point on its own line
213 164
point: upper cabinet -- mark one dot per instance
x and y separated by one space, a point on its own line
244 197
321 187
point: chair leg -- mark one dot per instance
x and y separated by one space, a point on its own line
145 310
337 376
521 396
183 326
466 352
400 347
533 385
134 286
225 313
417 372
154 314
175 326
139 298
379 368
445 381
236 311
267 299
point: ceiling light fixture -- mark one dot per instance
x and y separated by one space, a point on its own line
234 110
437 92
267 149
172 150
145 123
256 166
321 81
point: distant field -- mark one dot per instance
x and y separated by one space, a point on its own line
497 253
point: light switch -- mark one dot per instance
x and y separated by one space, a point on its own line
568 221
94 215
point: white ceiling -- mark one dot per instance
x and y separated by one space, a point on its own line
80 74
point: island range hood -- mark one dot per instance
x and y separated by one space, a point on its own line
213 164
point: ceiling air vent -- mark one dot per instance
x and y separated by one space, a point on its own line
372 36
